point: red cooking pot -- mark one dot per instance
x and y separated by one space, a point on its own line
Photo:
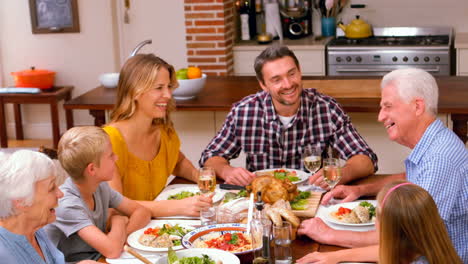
42 79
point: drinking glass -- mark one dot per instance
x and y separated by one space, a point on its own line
260 231
282 236
206 180
208 216
312 159
332 173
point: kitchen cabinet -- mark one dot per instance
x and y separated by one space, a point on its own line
461 46
309 52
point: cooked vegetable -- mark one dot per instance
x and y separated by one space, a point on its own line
299 204
182 195
369 207
300 201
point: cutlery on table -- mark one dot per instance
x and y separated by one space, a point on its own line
137 255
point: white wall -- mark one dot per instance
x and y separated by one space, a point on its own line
79 58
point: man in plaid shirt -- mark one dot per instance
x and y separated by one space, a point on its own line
273 126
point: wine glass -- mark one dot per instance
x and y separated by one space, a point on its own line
206 180
332 173
312 159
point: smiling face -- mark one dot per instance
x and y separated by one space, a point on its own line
46 197
154 101
283 82
398 117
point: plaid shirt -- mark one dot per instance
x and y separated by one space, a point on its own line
439 164
254 127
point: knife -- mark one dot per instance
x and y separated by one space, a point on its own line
225 186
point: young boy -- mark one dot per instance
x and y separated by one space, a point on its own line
79 232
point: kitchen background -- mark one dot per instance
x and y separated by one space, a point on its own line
104 42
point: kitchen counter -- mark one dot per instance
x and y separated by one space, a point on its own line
307 43
461 40
354 94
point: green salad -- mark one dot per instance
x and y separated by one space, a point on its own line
182 195
370 207
229 196
300 201
173 259
282 174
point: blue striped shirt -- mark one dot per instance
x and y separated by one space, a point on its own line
439 164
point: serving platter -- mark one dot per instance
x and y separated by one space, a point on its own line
201 233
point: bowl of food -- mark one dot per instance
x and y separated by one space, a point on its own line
191 82
232 238
109 80
199 255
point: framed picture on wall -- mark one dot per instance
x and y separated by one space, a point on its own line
54 16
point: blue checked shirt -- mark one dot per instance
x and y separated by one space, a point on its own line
439 164
254 127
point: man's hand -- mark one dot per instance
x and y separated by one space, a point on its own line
237 176
320 258
348 193
317 230
317 180
192 206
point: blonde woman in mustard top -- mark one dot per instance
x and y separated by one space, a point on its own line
144 139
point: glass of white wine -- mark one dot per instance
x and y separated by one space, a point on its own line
206 180
332 172
312 159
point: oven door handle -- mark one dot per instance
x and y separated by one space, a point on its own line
436 69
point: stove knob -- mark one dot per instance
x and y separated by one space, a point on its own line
437 58
405 59
394 59
358 59
426 59
415 59
338 59
348 59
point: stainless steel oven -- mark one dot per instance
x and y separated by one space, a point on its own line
389 49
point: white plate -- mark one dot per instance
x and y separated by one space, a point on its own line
164 195
132 239
351 206
214 254
302 175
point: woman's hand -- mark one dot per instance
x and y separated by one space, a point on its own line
191 206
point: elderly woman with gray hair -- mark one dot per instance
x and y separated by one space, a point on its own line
28 196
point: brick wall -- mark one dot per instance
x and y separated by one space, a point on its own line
209 26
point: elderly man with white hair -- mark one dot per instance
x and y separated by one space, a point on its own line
28 196
438 163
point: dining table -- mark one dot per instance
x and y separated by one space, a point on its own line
302 245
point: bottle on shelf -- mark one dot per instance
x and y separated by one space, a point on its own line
244 10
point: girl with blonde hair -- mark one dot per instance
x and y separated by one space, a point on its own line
144 139
410 227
